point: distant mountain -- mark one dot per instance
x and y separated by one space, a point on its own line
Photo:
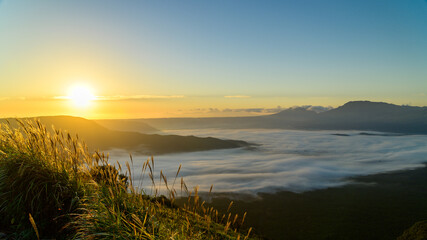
127 125
299 112
356 115
99 137
375 116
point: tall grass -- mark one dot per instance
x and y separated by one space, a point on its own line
50 185
41 173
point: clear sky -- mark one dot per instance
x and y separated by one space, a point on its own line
208 58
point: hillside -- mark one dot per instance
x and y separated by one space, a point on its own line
375 116
99 137
373 207
127 125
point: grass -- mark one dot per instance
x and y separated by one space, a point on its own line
51 186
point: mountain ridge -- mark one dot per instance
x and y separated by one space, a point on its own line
353 115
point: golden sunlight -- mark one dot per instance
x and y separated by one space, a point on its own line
81 96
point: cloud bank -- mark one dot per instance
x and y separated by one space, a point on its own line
277 109
288 160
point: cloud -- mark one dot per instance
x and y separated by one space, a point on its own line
317 109
277 109
287 160
23 98
237 96
237 110
136 97
254 110
125 97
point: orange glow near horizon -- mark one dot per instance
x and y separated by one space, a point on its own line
98 105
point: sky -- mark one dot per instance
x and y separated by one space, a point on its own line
203 58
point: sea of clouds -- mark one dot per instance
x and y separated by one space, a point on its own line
290 160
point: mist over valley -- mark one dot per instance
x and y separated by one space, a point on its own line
289 160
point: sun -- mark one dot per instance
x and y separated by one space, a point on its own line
81 96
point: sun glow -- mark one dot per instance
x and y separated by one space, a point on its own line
81 96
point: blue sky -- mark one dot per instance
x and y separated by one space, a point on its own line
276 52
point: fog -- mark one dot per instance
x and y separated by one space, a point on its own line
296 161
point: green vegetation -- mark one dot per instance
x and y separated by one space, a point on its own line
417 232
52 187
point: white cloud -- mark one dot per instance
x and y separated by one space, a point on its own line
317 109
288 160
236 110
136 97
259 110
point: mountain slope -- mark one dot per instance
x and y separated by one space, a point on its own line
126 125
375 116
99 137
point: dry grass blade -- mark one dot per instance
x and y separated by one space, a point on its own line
33 223
243 219
235 218
210 190
229 206
130 174
249 232
176 176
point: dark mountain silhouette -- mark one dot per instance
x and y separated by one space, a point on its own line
356 115
99 137
376 116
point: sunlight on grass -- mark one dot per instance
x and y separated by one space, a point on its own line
70 193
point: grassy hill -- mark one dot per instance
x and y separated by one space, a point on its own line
52 187
99 137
